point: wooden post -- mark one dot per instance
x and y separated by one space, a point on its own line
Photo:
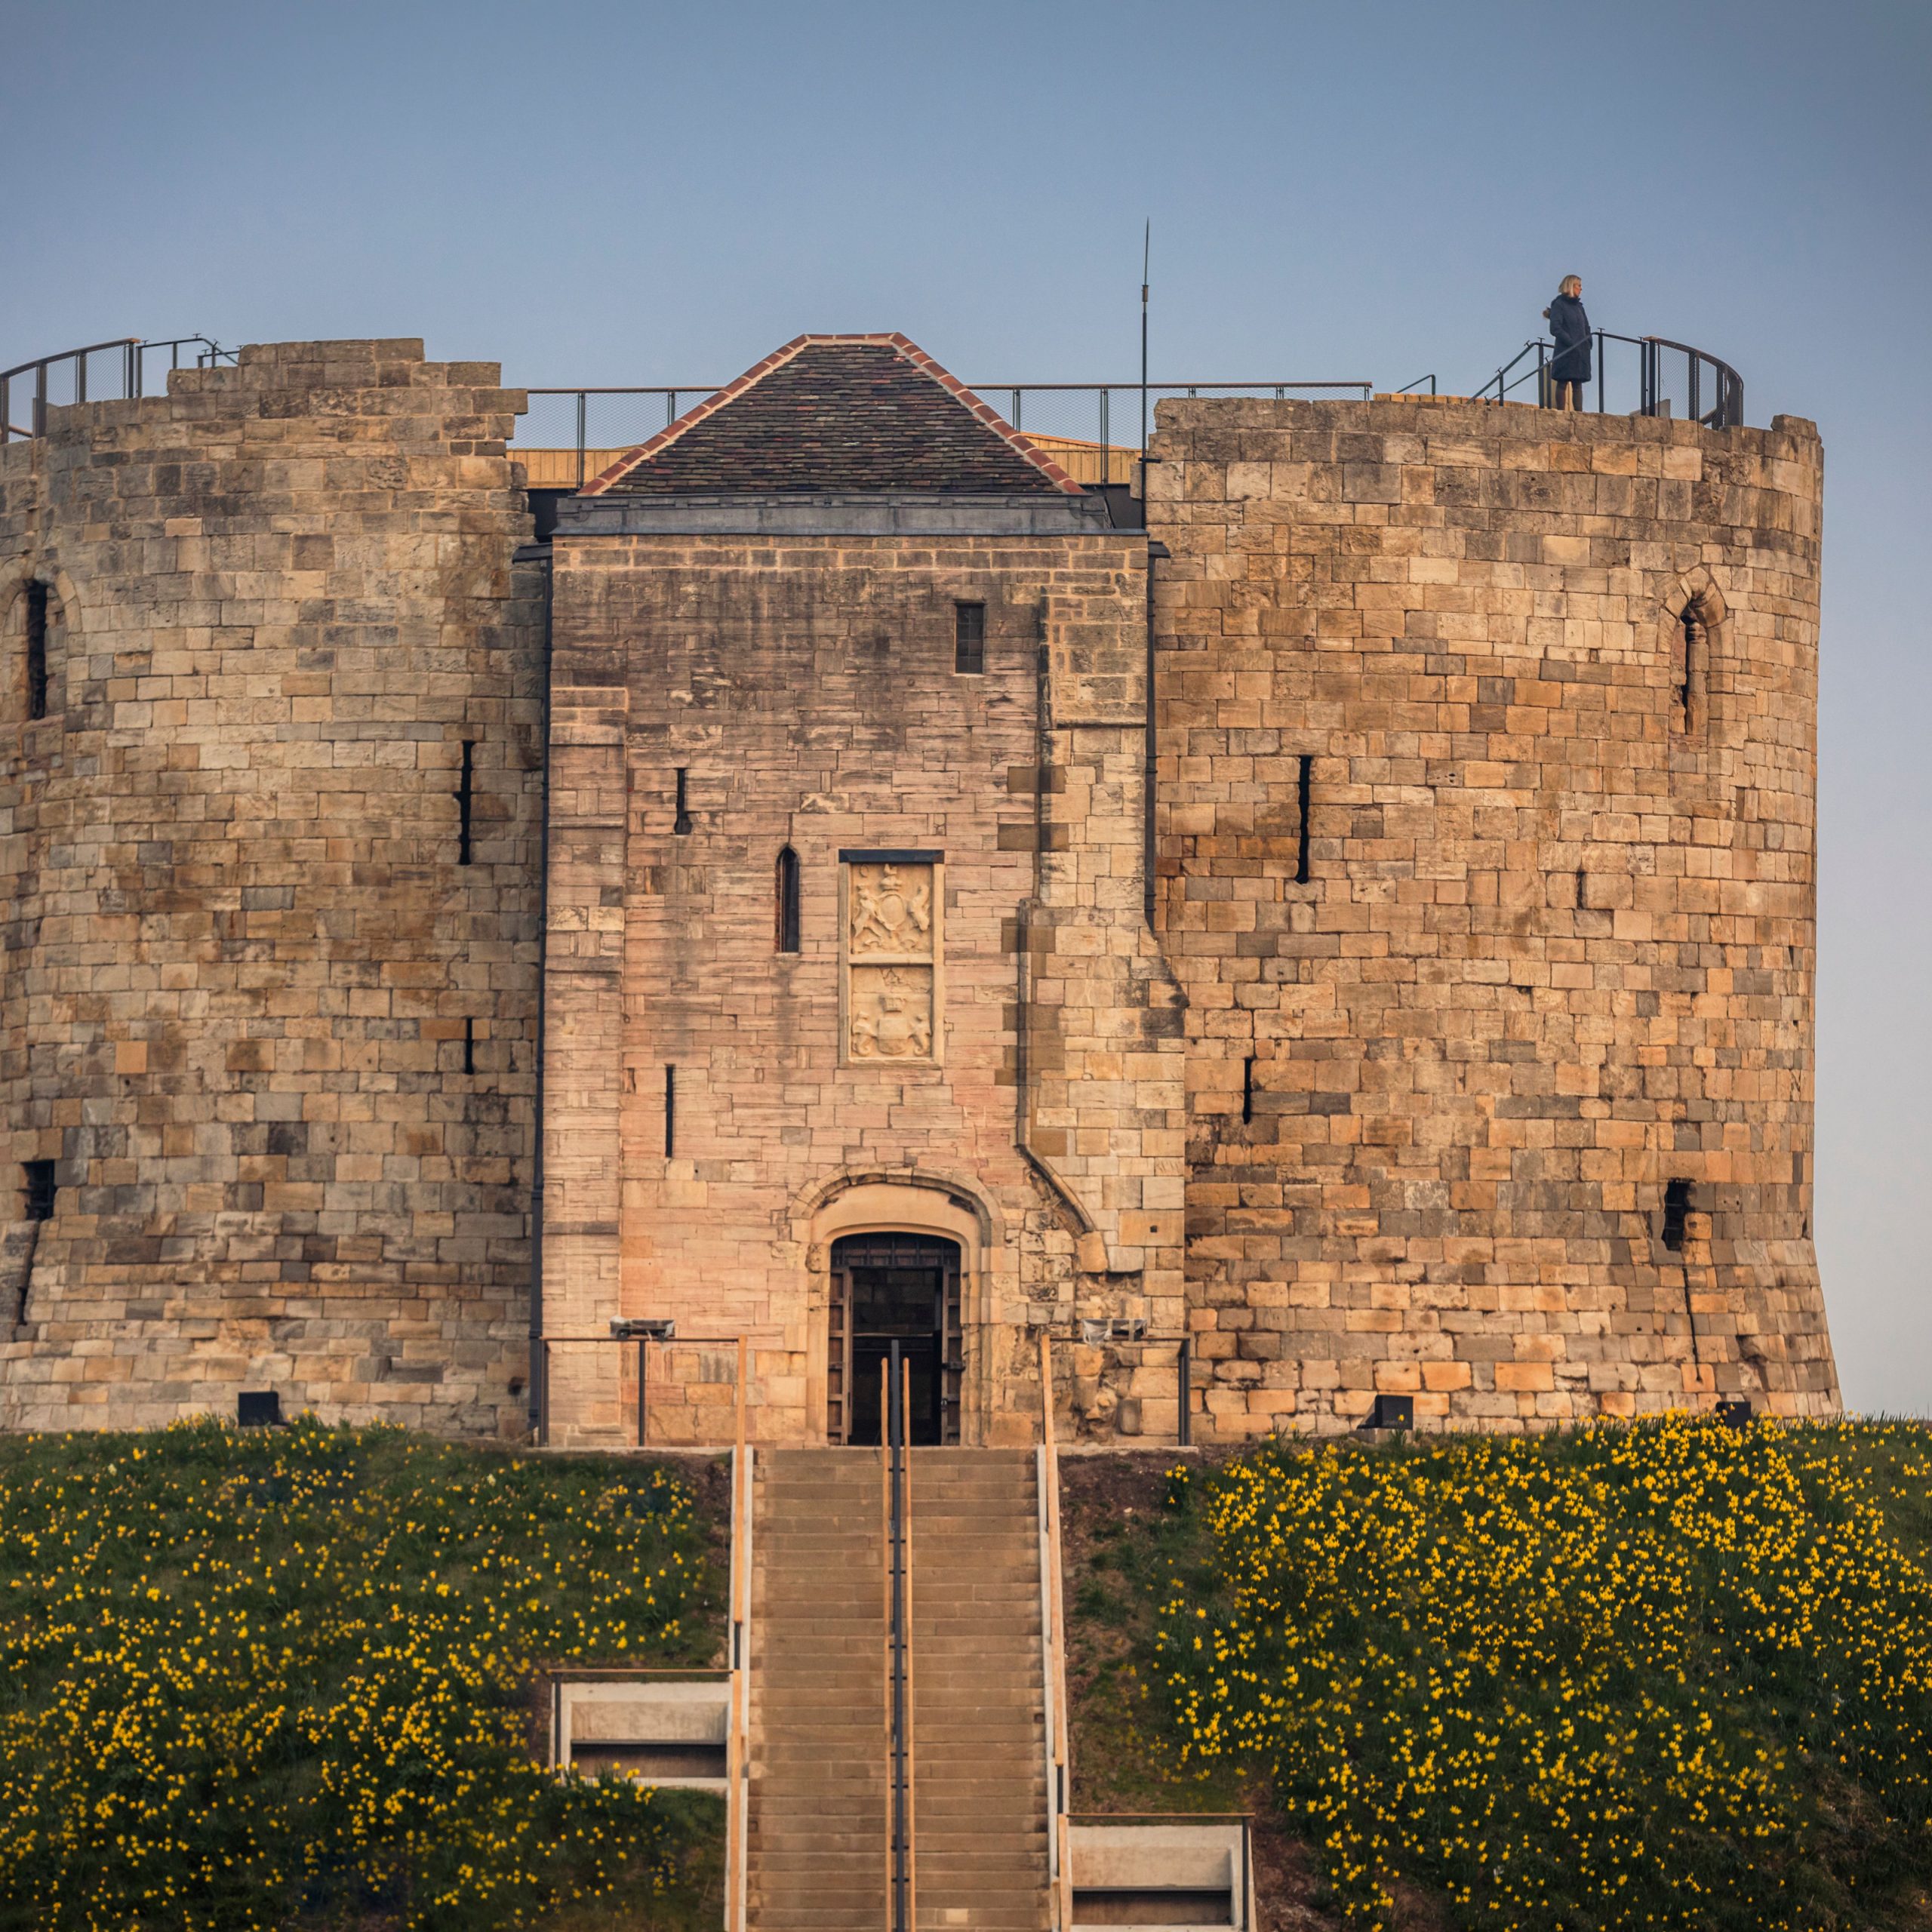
1047 1390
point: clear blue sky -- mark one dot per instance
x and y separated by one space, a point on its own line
601 193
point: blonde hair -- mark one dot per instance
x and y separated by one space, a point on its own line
1568 282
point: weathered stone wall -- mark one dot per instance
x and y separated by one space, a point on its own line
246 977
807 687
1555 950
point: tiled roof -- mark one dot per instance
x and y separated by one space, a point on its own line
839 412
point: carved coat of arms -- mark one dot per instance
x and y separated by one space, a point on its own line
890 949
892 911
892 1015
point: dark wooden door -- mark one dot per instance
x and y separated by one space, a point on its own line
888 1287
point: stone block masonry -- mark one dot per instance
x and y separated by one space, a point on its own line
1469 1056
719 1111
274 1036
1506 1104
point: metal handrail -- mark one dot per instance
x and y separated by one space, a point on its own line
737 1750
1184 1392
706 390
1053 1608
738 1653
130 377
644 1342
902 1894
1015 395
1727 386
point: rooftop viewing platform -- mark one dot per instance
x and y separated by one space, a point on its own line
1095 430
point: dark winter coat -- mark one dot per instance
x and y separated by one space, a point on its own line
1570 330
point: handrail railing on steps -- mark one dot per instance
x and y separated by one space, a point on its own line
902 1905
737 1772
1053 1621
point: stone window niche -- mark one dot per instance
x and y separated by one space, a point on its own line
1677 1205
786 889
41 628
466 802
891 957
40 1188
1695 614
1304 814
969 639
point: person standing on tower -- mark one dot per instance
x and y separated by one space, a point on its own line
1570 331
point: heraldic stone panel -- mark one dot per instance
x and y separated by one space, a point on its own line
891 955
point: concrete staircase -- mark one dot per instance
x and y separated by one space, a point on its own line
979 1722
817 1844
817 1841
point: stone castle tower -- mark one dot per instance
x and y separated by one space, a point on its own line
1350 909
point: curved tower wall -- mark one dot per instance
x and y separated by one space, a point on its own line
1554 951
276 1038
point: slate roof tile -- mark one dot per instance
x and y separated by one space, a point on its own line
839 413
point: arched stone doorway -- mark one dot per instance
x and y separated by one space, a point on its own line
886 1287
945 1208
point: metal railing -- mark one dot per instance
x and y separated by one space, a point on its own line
1662 378
901 1877
1102 425
102 372
737 1746
737 1736
625 1336
1053 1624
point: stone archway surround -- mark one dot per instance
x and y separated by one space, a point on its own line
910 1201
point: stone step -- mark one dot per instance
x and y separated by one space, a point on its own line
943 1613
829 1842
818 1799
809 1618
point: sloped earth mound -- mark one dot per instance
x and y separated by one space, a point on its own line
281 1679
1667 1675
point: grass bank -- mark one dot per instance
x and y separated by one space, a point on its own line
282 1679
1666 1676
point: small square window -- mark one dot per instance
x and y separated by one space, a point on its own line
969 638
